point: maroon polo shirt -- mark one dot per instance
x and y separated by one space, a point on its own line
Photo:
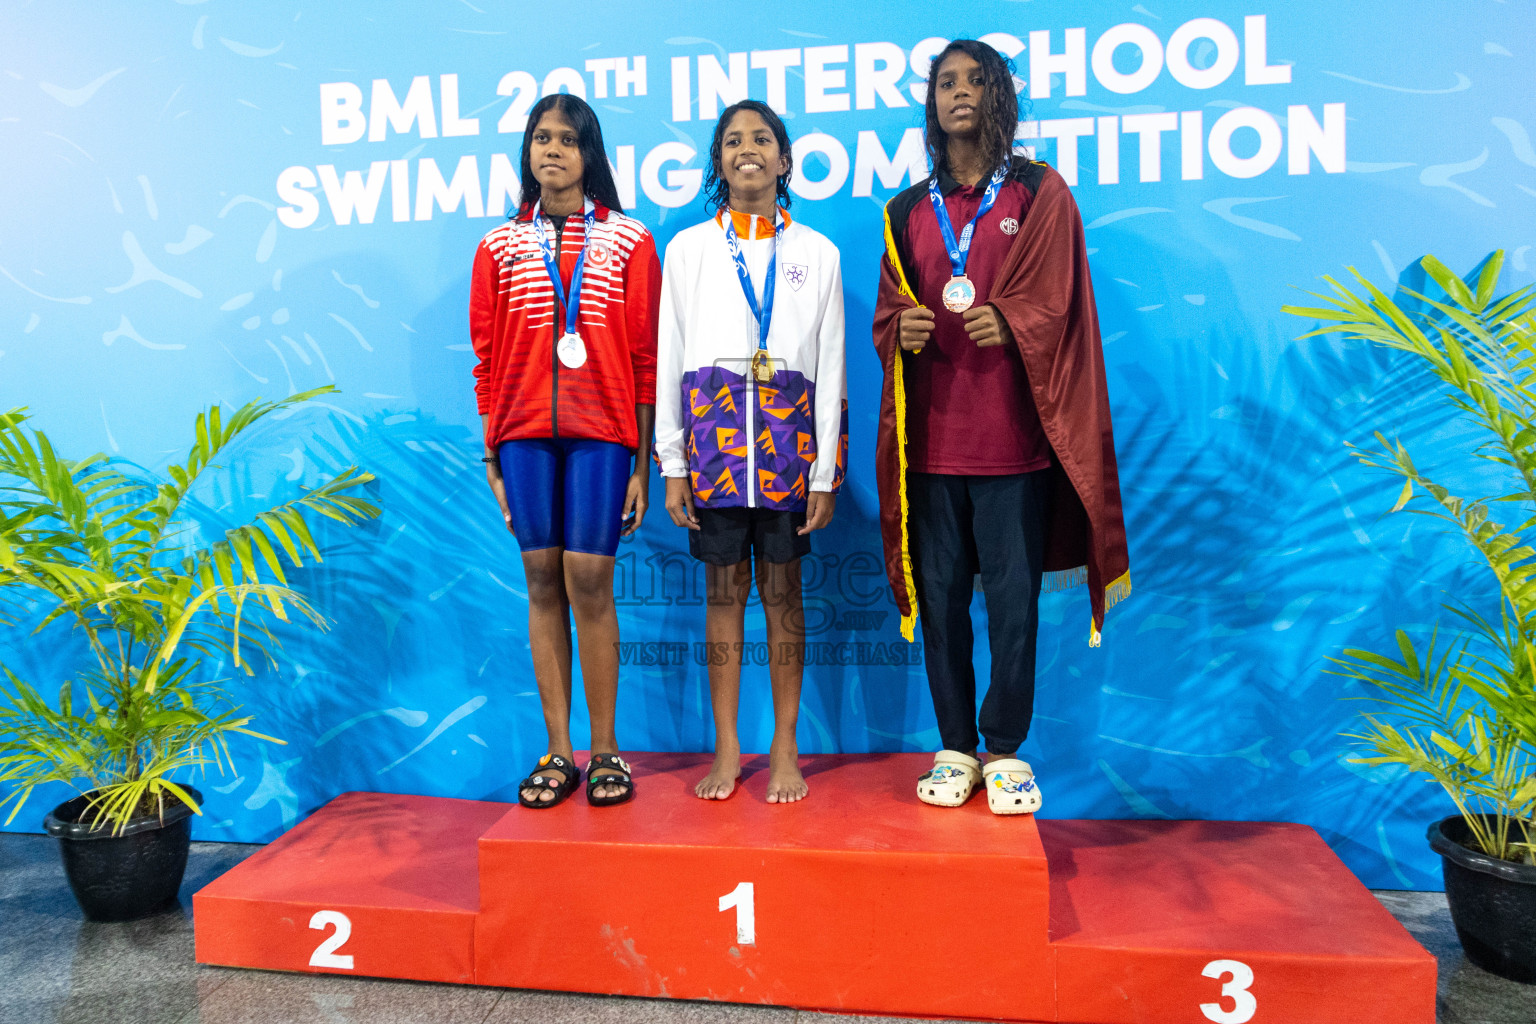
969 409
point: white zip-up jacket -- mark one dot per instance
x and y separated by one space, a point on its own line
740 443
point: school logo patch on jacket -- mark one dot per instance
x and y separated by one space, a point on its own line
795 274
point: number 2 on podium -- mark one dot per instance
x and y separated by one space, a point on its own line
325 954
746 913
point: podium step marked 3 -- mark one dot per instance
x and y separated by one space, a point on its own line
1225 921
859 898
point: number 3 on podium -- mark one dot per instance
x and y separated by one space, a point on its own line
1244 1006
746 913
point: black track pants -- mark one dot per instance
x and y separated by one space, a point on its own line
960 525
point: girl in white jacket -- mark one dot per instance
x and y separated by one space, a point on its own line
751 419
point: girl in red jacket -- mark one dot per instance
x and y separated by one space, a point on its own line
563 318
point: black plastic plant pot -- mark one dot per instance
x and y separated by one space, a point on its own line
128 875
1493 903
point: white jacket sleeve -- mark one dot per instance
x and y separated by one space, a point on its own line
670 415
831 378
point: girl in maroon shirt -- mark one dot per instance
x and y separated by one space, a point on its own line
978 480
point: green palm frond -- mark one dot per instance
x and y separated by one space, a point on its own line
1464 714
281 534
91 543
145 527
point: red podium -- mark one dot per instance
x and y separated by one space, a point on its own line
859 899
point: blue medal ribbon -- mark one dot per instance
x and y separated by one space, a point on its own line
763 312
552 265
960 251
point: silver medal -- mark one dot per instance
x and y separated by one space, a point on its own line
571 350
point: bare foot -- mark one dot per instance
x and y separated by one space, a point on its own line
785 783
721 780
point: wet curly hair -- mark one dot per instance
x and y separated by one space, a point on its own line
998 107
717 193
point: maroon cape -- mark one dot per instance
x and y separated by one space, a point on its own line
1044 292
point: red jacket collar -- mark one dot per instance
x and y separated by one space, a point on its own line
525 211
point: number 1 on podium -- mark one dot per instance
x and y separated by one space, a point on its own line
746 913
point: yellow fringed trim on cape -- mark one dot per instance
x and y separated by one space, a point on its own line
899 390
1113 594
1117 591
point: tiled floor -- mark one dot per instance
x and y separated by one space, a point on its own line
56 967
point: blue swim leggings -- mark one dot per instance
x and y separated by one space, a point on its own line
566 492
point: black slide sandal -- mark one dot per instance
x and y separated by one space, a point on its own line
542 778
609 762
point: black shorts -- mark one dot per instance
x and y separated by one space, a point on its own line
727 536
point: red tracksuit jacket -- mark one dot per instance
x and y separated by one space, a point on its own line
514 325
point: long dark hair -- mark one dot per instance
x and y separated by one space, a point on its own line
596 176
716 192
998 105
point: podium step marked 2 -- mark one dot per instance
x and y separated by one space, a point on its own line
371 884
859 899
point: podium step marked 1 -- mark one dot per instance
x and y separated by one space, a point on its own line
859 899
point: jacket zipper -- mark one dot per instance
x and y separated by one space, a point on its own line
554 345
554 380
751 443
751 404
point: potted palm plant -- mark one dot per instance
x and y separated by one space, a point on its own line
90 545
1463 710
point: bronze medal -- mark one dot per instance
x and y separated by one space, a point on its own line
959 294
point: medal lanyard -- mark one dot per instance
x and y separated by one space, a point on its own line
552 266
762 313
959 252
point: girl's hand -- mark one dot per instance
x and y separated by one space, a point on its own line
680 502
499 488
915 328
986 326
636 500
818 511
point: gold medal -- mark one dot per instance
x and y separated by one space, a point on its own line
762 367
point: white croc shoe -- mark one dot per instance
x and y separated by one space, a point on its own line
951 780
1011 787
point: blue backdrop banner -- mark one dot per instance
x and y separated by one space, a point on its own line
214 201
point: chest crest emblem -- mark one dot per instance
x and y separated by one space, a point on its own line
1009 225
795 274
